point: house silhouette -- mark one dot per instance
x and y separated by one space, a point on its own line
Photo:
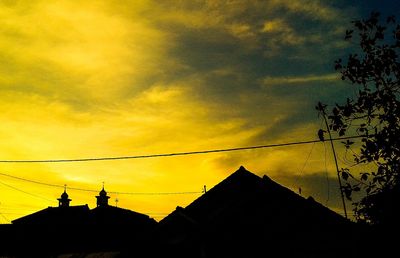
78 229
243 216
249 216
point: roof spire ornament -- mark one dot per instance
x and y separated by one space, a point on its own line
64 201
102 198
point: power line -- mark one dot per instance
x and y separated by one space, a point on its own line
4 217
327 178
156 193
16 209
90 190
30 181
322 111
13 213
174 154
302 169
28 193
156 213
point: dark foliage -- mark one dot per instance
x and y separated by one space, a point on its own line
373 69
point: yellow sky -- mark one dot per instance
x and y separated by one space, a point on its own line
81 79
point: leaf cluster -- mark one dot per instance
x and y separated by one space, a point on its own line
374 112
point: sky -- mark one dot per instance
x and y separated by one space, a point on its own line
84 79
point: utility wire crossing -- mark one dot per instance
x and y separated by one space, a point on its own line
25 192
176 153
88 190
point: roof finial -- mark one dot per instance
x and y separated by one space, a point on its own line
102 198
63 201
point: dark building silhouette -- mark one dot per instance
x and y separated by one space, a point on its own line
64 214
242 216
249 216
55 216
77 229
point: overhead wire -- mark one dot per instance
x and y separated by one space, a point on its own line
25 192
303 167
153 214
296 183
4 217
152 156
327 178
148 156
94 191
143 156
16 209
175 153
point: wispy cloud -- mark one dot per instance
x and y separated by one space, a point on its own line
140 77
313 9
270 81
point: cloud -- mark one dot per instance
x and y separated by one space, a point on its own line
90 53
270 81
275 25
143 77
313 9
282 33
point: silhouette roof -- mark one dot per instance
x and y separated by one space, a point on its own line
244 194
116 215
56 215
58 230
82 214
244 213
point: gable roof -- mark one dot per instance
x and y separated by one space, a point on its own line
56 215
248 216
118 216
105 215
77 229
244 194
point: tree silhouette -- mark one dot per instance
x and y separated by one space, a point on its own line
374 113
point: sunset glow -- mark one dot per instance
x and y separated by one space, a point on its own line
118 78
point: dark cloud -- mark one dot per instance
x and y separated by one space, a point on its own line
176 75
300 42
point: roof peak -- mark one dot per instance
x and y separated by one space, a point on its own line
242 168
242 171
